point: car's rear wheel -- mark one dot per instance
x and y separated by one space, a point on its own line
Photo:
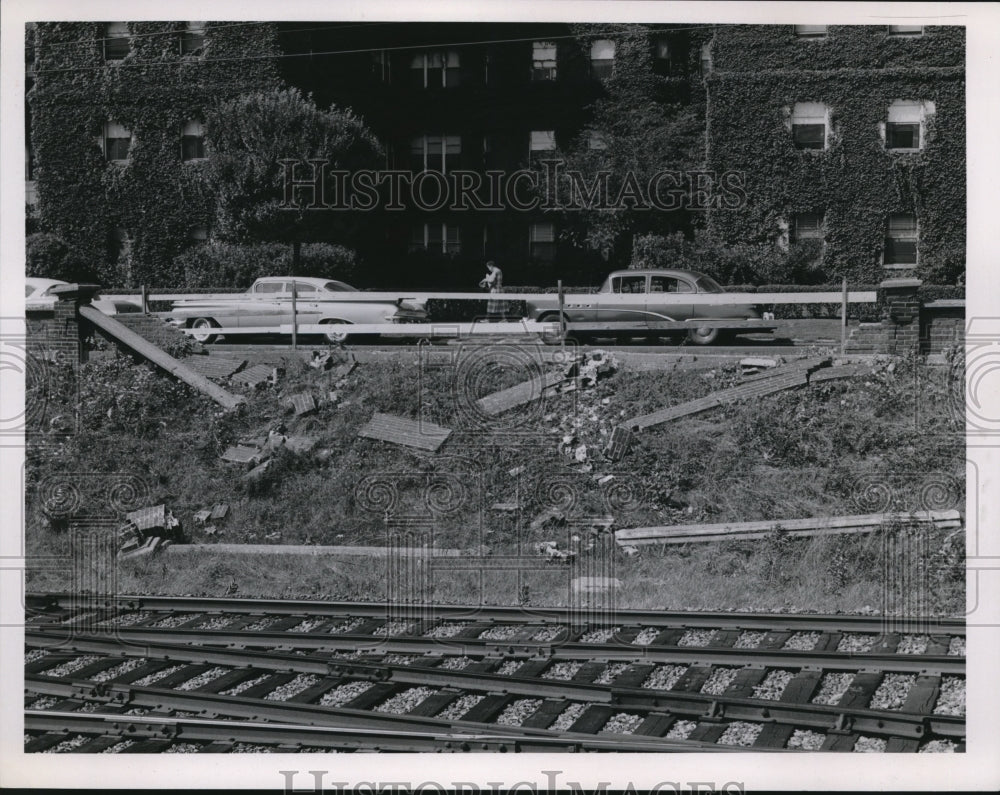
335 334
200 326
703 335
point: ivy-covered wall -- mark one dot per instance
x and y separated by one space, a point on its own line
759 72
155 197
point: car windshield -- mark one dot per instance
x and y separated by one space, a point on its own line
707 284
339 287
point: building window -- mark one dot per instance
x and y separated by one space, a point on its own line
662 56
542 241
435 153
602 58
806 226
543 60
811 31
906 30
904 126
705 63
116 41
198 236
435 69
809 125
901 240
119 246
117 140
437 237
192 141
597 140
193 38
542 141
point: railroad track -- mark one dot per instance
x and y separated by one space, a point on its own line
164 674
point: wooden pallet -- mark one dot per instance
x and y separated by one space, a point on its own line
400 430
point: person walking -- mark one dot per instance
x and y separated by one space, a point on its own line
493 281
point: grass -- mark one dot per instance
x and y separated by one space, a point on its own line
847 446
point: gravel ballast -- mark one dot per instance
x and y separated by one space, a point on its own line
457 708
34 655
939 747
567 717
175 621
740 733
562 670
719 681
401 703
447 630
773 686
517 713
215 622
509 667
499 632
951 700
455 663
547 634
806 740
202 678
749 639
71 666
832 688
182 748
125 619
610 673
664 677
802 641
245 685
345 627
341 694
119 670
43 703
856 644
308 625
292 688
622 723
913 644
696 637
602 635
681 730
67 745
869 745
117 748
646 636
892 692
393 628
956 647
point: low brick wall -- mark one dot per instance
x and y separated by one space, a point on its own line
160 333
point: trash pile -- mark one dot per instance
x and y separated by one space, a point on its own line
147 530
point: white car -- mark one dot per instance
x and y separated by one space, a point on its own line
38 295
267 306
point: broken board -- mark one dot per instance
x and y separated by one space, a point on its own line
303 403
240 454
400 430
253 376
617 445
215 367
518 395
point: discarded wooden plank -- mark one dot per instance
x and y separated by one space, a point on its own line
316 551
618 444
808 364
202 516
143 347
504 507
253 376
219 511
839 371
342 370
258 470
759 362
303 403
636 536
215 367
242 454
151 518
518 395
545 516
400 430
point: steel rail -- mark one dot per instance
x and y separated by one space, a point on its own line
212 643
306 716
520 615
692 704
201 730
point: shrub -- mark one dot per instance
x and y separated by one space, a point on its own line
217 264
48 256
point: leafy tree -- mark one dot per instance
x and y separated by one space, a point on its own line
250 137
642 124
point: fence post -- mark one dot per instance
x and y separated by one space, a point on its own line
295 322
843 318
145 304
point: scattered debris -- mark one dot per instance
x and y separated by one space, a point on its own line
258 470
320 361
219 511
202 516
243 454
591 366
552 514
618 444
400 430
516 471
341 371
303 403
630 551
518 395
505 507
754 364
218 368
255 376
550 549
145 530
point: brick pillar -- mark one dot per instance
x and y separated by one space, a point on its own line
901 315
69 298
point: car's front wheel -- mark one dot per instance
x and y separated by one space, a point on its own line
201 326
703 335
335 333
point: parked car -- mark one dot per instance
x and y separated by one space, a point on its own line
642 296
38 295
267 305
